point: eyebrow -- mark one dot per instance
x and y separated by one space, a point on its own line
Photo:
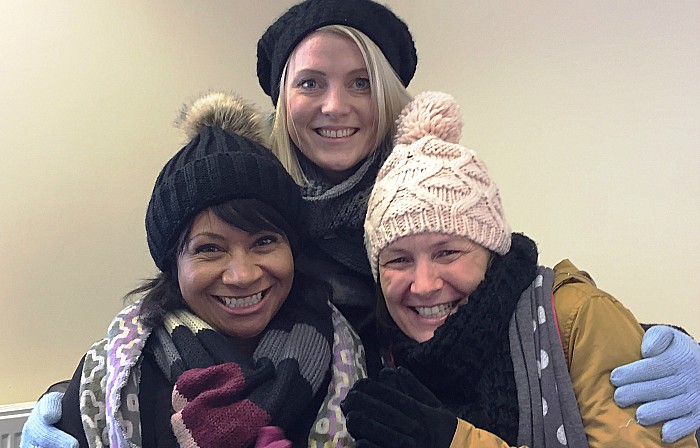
212 235
311 71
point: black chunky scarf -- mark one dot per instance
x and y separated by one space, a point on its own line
223 395
467 364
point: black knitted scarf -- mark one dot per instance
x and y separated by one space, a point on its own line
467 364
223 395
334 215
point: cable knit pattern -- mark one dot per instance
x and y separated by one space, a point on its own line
430 183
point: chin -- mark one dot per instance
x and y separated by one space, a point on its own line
423 336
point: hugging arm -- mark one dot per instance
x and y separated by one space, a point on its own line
666 382
39 430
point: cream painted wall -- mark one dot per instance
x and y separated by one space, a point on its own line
587 113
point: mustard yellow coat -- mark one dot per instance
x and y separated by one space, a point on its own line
598 334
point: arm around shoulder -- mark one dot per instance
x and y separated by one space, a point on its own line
598 334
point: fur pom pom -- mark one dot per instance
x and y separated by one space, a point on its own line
227 111
430 113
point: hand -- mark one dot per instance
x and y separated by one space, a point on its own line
38 430
667 381
271 437
396 410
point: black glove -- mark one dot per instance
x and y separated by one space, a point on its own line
397 410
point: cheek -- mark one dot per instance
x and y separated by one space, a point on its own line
284 266
192 280
298 110
391 287
186 281
469 282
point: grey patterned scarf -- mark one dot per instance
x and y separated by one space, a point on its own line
334 214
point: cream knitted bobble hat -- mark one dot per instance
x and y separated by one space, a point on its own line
431 184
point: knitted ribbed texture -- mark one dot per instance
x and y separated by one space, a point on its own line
215 166
375 20
430 183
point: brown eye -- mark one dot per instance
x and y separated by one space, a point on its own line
266 240
206 248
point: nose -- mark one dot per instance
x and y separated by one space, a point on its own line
241 271
335 102
426 278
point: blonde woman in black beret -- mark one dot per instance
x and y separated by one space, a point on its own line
337 73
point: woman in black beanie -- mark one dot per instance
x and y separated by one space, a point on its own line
228 346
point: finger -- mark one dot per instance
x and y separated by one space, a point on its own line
49 407
664 410
389 395
417 390
374 433
36 433
677 429
358 403
647 391
390 377
656 340
643 370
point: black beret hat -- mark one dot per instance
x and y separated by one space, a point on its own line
214 167
375 20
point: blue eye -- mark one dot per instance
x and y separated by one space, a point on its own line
362 83
307 84
396 261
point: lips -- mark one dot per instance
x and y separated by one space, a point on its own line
242 302
336 133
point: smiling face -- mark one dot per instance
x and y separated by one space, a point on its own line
426 277
234 280
331 115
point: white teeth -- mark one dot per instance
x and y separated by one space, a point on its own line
233 302
336 134
434 311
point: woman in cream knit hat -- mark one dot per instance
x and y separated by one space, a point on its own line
492 349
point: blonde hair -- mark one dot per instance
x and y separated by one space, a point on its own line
388 95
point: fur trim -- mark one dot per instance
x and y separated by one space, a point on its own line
228 111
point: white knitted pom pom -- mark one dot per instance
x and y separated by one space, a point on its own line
228 111
430 113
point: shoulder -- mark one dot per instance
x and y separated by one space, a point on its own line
582 307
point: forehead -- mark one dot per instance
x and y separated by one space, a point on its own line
206 220
326 49
426 241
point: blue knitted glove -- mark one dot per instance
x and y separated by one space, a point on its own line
38 431
667 381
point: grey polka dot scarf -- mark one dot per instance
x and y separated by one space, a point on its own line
549 415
